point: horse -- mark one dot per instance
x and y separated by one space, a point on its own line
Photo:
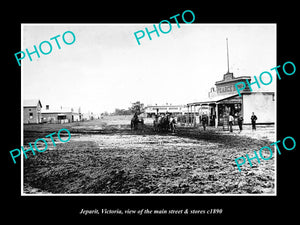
156 122
164 123
172 125
135 122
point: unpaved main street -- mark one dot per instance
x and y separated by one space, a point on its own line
105 156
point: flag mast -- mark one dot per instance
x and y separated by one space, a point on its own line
227 55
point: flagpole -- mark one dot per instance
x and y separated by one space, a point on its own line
227 55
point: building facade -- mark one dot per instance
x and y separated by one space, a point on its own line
223 100
175 110
60 115
32 111
262 104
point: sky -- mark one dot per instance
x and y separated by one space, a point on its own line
105 68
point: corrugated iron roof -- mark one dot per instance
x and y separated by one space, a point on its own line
219 98
214 99
61 110
31 102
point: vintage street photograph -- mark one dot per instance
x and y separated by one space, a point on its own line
162 117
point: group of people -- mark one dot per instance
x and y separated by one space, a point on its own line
204 121
240 121
168 122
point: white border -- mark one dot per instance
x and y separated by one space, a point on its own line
150 195
22 114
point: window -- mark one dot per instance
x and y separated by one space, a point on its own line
61 117
30 115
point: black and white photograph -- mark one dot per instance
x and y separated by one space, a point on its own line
129 109
141 111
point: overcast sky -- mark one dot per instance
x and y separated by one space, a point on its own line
105 68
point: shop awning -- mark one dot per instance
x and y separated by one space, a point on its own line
230 98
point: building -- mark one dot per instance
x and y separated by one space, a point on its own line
226 86
60 115
32 111
152 110
89 116
224 100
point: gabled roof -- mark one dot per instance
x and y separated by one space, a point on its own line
31 103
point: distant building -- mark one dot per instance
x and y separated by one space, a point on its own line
89 116
163 109
60 115
32 111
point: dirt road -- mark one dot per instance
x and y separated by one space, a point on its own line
104 156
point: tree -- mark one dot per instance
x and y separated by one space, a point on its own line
137 107
105 113
120 112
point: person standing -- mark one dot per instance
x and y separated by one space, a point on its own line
253 121
204 121
172 124
240 122
230 119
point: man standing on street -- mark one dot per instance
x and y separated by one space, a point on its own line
240 122
253 121
204 121
230 119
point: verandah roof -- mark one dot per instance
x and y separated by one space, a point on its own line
213 100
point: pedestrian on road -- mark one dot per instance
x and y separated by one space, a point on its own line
240 122
204 121
253 121
230 119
